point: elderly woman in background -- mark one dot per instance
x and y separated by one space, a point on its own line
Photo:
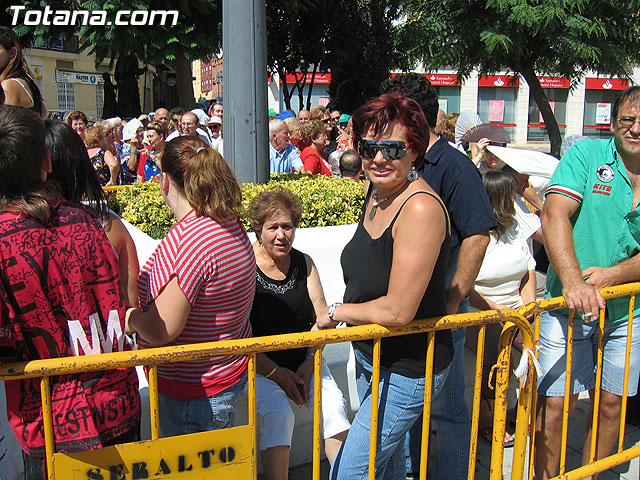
313 134
197 286
104 163
79 122
16 79
394 268
132 136
149 164
288 299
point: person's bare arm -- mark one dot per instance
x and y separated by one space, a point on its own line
624 272
127 258
531 196
581 296
419 233
479 301
301 169
285 378
165 319
472 250
14 94
528 287
114 167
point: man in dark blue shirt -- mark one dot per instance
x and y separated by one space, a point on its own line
456 179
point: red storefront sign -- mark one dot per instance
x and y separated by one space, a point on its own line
554 82
319 79
443 79
498 81
606 84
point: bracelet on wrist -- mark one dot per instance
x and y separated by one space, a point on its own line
270 374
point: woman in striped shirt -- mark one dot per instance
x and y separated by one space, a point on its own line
198 286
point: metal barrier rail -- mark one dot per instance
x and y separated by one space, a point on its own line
594 466
251 346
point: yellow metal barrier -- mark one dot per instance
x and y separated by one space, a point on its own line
193 456
594 466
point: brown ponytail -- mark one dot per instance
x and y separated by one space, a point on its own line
203 175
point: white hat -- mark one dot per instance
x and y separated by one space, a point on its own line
203 118
215 119
130 129
527 162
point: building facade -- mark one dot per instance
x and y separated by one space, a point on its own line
583 108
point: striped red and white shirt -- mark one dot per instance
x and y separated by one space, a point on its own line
216 270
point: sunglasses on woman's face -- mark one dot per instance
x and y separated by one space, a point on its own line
389 150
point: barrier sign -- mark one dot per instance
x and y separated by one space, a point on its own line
216 454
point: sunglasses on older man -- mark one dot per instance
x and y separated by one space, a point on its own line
389 150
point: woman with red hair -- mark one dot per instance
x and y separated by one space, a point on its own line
394 269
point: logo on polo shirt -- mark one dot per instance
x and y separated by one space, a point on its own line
605 173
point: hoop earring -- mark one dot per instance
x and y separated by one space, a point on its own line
412 176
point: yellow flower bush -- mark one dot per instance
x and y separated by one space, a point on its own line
325 201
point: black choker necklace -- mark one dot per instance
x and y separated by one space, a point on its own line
377 201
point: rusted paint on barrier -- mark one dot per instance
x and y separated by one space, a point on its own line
154 356
514 322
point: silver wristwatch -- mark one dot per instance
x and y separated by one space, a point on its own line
332 309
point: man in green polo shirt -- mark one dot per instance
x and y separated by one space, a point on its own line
591 226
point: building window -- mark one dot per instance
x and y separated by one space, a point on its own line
66 96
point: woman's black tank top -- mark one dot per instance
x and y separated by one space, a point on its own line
366 265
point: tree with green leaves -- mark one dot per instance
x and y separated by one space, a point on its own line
296 36
362 47
567 38
197 34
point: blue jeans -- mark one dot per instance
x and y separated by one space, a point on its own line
179 417
553 355
400 404
450 418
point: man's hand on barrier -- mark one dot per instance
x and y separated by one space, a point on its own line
600 277
288 382
584 298
305 370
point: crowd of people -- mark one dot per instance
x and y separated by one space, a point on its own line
453 220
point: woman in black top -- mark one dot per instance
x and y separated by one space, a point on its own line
288 297
394 269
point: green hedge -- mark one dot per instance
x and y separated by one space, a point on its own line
325 201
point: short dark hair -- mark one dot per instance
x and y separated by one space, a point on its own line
21 160
350 163
632 94
419 88
379 112
177 111
267 203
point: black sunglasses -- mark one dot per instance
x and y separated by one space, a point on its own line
389 150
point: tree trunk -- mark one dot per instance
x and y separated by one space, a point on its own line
184 80
550 121
283 83
313 79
